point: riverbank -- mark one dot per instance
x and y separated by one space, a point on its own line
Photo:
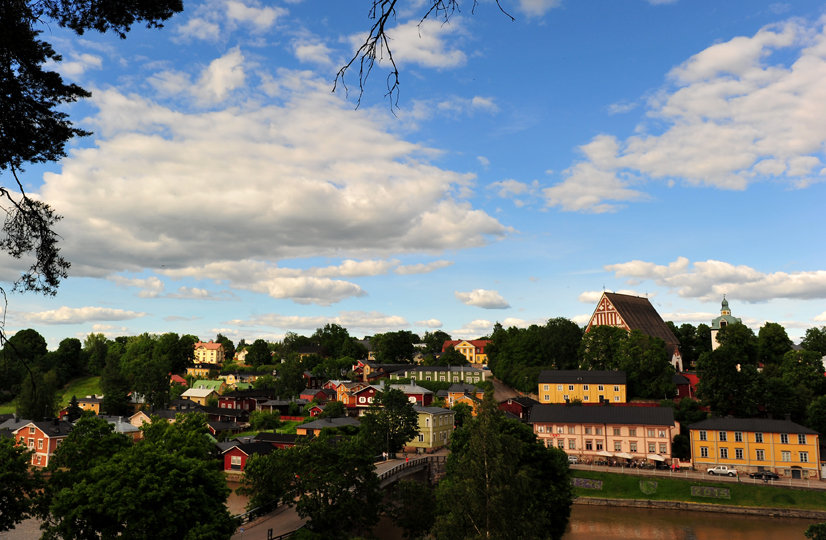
606 489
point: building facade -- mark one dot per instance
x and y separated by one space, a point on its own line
42 438
718 323
209 353
592 433
452 374
472 349
568 385
435 429
754 444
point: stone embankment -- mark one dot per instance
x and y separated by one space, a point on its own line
704 507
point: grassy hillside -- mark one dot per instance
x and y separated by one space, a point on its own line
80 387
622 486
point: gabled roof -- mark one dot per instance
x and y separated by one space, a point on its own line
210 345
638 313
479 344
761 425
50 428
525 401
430 410
279 438
249 448
207 383
567 414
457 388
325 423
198 392
452 369
581 376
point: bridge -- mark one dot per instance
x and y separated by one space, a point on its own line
284 521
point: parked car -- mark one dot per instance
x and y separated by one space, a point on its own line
573 460
764 475
722 470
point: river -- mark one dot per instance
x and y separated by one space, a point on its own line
610 523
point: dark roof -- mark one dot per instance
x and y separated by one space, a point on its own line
219 411
763 425
250 393
457 369
567 414
250 448
581 376
525 401
639 314
679 379
283 438
223 426
53 428
463 387
324 423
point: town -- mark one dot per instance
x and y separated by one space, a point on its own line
622 393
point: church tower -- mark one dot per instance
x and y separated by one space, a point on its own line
723 320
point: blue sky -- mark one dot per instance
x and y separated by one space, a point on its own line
673 149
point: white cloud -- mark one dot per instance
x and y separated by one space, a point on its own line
222 76
482 298
728 118
352 320
213 20
78 64
592 297
582 319
312 51
473 329
199 28
422 268
152 286
483 161
537 8
430 323
820 318
709 280
423 43
67 315
515 190
259 19
206 193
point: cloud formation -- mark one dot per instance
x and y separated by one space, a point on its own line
67 315
482 298
729 117
709 280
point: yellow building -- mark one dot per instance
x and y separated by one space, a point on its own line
435 429
567 385
753 444
472 349
209 353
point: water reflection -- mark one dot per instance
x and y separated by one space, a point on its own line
608 523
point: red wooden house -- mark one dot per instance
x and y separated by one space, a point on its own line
42 437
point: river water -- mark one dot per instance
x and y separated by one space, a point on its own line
610 523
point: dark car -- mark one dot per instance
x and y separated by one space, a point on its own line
764 475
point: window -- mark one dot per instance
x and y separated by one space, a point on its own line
598 431
547 387
617 446
565 397
801 438
584 398
804 457
427 422
632 446
561 443
571 430
560 429
547 397
589 444
704 451
40 444
599 445
616 388
786 455
31 443
585 387
235 462
571 387
362 399
650 432
661 434
738 436
703 435
559 387
632 432
31 430
616 398
587 430
652 447
760 455
421 437
784 438
723 453
758 437
600 388
617 432
738 453
571 444
722 436
663 448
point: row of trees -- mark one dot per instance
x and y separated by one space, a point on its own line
101 484
499 483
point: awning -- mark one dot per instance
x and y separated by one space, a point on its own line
603 453
623 455
655 457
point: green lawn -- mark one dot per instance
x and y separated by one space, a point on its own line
80 387
622 486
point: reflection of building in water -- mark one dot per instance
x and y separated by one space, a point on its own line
721 322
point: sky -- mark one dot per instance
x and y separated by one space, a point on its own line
668 149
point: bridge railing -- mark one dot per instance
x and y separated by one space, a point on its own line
415 462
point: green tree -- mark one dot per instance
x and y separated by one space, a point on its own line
73 411
96 347
229 347
390 422
290 381
502 483
462 413
266 478
68 361
816 531
18 485
412 506
434 341
37 399
333 409
772 343
451 357
644 359
261 420
816 414
815 340
600 347
258 353
394 347
336 342
114 385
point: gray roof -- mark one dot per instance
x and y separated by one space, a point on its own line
762 425
582 376
457 369
324 423
572 414
431 410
